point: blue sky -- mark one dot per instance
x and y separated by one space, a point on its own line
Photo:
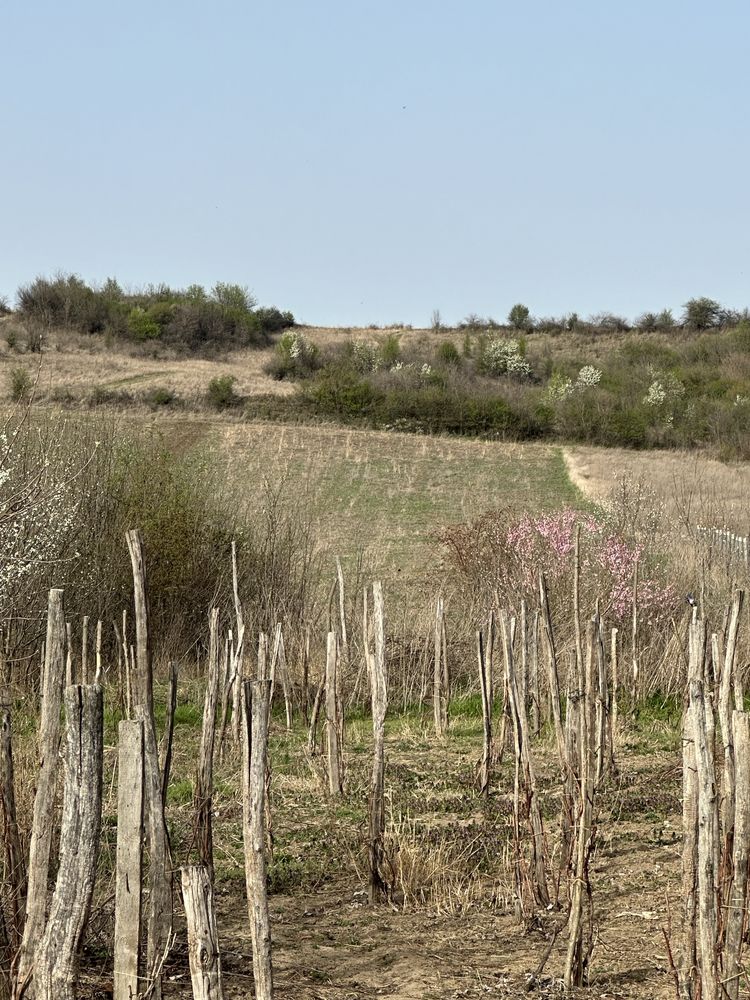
363 162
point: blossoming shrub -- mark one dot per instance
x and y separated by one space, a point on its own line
295 357
502 554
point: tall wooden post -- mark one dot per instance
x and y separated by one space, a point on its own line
333 717
255 703
56 958
44 801
204 778
379 689
129 858
159 925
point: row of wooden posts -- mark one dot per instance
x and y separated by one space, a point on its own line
45 934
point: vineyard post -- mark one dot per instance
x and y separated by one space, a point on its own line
129 859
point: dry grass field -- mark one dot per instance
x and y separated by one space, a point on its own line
375 499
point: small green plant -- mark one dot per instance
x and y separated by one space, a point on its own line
390 350
447 354
19 384
161 396
220 394
11 339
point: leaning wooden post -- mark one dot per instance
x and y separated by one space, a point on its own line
379 689
129 859
56 958
205 776
165 754
239 649
333 725
255 704
44 801
159 925
203 939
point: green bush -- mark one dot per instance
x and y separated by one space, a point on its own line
19 384
448 354
192 319
143 326
220 394
161 396
295 357
390 350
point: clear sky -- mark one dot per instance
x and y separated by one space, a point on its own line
359 161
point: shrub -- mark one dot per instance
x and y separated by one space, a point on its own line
5 309
19 384
701 313
504 357
447 354
11 338
295 357
220 393
390 350
142 326
191 319
519 317
161 396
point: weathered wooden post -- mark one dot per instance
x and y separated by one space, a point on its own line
379 689
524 771
238 666
129 858
579 951
333 717
736 917
203 938
85 650
441 680
486 693
708 841
159 925
687 972
205 775
255 705
44 801
165 755
56 959
553 677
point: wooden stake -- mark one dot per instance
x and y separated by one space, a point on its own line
484 681
333 722
203 939
56 958
379 691
44 801
129 859
159 925
204 778
736 918
256 705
